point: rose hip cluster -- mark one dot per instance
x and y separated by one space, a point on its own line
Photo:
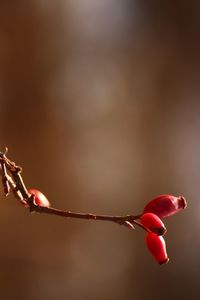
160 207
150 220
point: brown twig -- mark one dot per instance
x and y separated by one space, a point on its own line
15 181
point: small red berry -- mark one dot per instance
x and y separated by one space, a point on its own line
39 198
156 245
153 223
165 205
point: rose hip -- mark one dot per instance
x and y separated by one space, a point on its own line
153 223
157 247
39 198
165 205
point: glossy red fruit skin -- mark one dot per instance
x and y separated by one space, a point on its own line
39 199
165 205
153 223
157 247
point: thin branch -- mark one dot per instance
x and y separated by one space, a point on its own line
15 181
69 214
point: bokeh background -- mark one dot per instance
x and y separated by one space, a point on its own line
99 103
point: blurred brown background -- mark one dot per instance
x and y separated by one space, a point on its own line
99 102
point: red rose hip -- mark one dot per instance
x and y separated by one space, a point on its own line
39 198
153 223
165 205
157 247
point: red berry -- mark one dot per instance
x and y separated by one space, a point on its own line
39 198
156 245
153 223
165 205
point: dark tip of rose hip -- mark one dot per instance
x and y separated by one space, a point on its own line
164 261
182 202
161 231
